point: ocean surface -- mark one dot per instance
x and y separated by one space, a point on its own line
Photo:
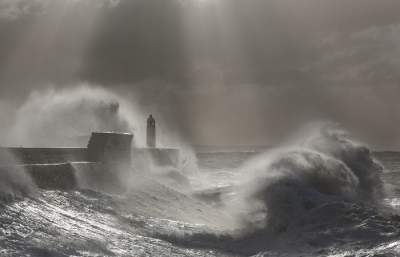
312 205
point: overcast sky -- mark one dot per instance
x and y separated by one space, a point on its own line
222 71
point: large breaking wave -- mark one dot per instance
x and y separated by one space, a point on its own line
319 193
324 166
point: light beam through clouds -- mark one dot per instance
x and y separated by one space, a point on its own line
54 43
210 66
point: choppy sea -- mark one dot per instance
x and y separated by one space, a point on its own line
316 211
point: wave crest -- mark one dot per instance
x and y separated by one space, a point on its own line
325 166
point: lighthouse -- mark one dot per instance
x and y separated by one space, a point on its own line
151 132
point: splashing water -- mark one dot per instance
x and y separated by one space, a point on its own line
62 117
319 194
283 184
14 180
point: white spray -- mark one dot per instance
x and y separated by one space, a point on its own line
324 166
14 180
61 118
66 118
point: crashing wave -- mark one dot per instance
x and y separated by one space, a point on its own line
325 167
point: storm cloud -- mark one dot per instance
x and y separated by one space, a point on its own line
218 71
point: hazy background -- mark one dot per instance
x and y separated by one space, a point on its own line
217 71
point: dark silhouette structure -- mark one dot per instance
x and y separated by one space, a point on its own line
107 155
110 148
101 164
151 132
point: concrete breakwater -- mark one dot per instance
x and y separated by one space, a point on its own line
105 157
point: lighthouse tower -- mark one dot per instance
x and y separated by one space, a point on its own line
151 132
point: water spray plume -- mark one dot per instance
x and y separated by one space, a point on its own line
283 184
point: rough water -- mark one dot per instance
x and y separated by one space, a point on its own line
322 196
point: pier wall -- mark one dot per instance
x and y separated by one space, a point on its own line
43 155
97 165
